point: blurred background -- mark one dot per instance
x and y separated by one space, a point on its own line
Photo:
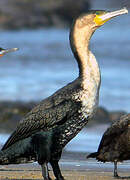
44 62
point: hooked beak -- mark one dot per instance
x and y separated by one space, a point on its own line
101 19
110 15
4 51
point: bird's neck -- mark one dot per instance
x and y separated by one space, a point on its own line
88 66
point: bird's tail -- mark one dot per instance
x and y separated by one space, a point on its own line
18 153
92 155
5 159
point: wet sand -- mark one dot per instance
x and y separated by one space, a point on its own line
71 170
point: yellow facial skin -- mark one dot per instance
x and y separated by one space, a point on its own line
98 20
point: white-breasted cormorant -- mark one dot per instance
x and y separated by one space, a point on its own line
48 127
115 143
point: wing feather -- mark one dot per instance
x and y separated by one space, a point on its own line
41 118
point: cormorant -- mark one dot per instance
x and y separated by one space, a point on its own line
4 51
115 143
49 126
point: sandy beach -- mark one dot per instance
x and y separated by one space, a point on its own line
78 169
34 172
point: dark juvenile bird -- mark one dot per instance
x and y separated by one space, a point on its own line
115 143
5 51
48 127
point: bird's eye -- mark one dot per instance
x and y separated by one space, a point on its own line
98 12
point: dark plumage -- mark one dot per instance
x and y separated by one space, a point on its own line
115 143
45 130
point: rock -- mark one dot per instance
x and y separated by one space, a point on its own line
115 115
12 113
16 14
102 116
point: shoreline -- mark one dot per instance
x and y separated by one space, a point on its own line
71 170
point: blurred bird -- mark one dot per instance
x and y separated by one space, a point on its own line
5 51
115 143
44 132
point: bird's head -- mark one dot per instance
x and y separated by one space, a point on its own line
96 18
5 51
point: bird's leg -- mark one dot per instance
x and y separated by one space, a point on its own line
45 173
115 169
56 170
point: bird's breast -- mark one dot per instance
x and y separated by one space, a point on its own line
89 101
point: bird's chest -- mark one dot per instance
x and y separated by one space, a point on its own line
89 102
